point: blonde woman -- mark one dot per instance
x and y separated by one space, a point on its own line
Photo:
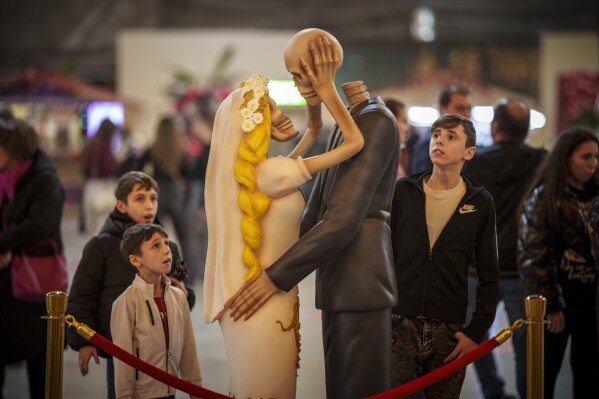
254 208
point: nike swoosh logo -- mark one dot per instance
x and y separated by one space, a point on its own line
467 209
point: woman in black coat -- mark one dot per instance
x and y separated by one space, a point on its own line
31 201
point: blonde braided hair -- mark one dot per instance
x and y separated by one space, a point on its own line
252 150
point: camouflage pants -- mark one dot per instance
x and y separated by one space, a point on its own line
419 347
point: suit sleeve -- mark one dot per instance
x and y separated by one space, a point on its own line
488 276
356 183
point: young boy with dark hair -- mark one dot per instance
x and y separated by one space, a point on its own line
439 222
151 319
103 273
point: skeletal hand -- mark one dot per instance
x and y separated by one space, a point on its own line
251 297
326 61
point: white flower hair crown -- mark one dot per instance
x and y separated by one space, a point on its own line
255 100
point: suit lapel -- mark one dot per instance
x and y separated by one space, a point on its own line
334 138
324 181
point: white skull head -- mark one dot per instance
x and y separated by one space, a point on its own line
298 47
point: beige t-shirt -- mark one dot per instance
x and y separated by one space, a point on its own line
440 205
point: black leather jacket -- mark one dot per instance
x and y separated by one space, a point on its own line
558 264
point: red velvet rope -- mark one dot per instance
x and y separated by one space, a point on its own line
440 373
197 391
153 371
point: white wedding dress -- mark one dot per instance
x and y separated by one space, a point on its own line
262 352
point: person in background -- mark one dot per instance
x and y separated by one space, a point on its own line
98 157
99 166
506 169
594 220
454 99
398 109
197 117
103 273
31 201
557 259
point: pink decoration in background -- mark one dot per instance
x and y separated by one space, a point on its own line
577 91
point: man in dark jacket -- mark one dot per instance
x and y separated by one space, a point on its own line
454 99
506 169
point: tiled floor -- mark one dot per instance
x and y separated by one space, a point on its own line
212 352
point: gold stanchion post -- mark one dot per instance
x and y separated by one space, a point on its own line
535 306
56 306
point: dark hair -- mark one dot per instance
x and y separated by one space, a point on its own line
394 106
448 121
5 114
136 235
168 150
18 138
105 132
448 91
125 184
510 122
555 171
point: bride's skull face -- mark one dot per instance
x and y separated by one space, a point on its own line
299 47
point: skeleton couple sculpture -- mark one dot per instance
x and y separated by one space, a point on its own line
254 210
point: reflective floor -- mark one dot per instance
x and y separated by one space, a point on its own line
212 352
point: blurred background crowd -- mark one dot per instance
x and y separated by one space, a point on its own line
112 86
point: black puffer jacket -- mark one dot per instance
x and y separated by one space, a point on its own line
102 275
506 170
35 213
559 264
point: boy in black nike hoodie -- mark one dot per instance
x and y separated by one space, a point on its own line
440 220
